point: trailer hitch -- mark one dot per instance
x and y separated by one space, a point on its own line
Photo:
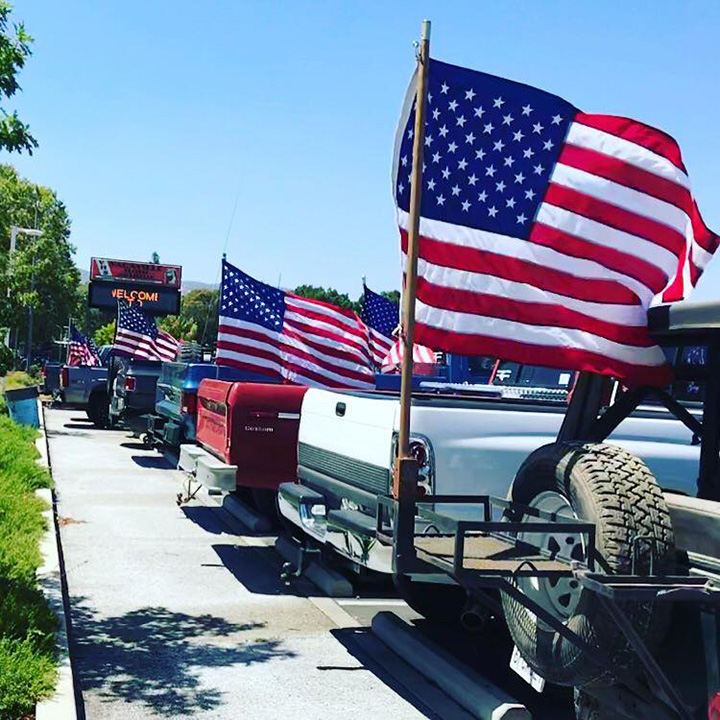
305 554
186 496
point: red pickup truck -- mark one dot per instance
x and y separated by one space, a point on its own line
247 434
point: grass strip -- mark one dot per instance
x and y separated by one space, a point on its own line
27 626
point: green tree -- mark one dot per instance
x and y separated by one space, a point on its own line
88 319
41 273
180 327
14 50
392 295
105 335
201 307
329 295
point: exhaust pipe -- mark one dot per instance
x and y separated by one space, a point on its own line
474 618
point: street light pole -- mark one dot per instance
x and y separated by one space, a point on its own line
14 232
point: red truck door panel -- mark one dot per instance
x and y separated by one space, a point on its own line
251 425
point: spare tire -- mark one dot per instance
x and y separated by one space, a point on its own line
613 489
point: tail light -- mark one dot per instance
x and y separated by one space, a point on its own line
421 449
130 383
188 403
714 707
64 377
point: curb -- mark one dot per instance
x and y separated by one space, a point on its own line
248 517
481 698
333 584
61 704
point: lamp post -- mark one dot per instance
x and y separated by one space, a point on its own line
14 232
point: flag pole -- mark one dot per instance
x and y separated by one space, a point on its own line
406 468
408 310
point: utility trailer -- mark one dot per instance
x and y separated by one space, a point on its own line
605 583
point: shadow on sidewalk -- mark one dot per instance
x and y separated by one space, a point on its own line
258 569
156 657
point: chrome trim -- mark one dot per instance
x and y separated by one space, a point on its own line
290 508
361 548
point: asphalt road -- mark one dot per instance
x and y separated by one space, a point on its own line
177 613
173 617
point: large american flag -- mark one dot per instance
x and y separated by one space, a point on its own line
545 232
138 336
81 350
287 337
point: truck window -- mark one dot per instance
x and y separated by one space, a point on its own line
480 368
510 373
687 358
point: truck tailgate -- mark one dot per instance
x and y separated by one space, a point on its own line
348 437
212 417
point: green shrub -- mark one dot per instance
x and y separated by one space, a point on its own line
18 378
6 359
27 626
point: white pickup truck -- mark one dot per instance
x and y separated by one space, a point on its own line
469 440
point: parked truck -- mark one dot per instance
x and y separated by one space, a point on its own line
131 384
467 439
590 529
247 435
86 387
176 399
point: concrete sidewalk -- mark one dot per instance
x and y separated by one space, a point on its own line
172 617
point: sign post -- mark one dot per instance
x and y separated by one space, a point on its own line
406 467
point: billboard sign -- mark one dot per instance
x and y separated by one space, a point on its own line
152 287
127 271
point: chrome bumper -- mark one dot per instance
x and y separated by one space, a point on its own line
355 541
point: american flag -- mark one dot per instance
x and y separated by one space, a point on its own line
393 360
382 317
138 336
81 350
545 232
287 337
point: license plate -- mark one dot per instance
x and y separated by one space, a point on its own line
525 671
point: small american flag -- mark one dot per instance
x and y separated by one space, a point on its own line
81 350
382 317
393 360
287 337
545 232
138 336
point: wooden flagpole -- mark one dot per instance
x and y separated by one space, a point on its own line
405 479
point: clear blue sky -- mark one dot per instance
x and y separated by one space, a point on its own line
152 117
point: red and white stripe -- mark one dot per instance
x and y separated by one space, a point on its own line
319 345
163 348
79 354
380 346
393 359
618 229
